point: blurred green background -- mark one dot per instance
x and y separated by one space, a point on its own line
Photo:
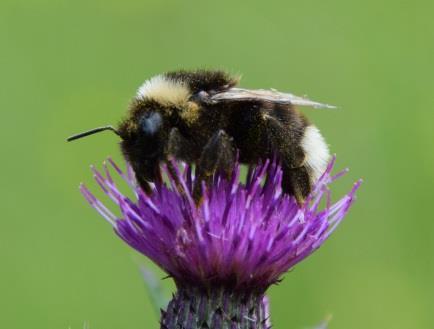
66 66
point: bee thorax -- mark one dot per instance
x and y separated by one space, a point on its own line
164 91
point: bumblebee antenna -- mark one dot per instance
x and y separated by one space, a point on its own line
91 132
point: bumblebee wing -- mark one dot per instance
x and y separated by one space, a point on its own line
240 94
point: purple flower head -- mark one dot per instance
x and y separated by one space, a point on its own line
241 236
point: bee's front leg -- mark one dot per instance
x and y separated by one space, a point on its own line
217 156
146 171
180 148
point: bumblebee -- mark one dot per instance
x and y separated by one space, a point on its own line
202 118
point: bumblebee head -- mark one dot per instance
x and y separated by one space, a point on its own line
144 132
159 102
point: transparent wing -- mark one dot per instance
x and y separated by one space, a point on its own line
240 94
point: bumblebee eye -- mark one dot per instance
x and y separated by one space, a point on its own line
150 123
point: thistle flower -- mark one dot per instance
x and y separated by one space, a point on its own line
226 252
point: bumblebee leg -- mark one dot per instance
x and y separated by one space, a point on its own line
143 183
217 156
177 147
146 172
282 143
295 180
180 147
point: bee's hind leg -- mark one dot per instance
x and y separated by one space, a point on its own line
296 179
296 182
217 156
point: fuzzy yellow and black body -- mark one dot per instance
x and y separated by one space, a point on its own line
201 117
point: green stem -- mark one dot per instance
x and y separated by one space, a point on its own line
217 308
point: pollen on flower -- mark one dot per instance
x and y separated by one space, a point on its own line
242 236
